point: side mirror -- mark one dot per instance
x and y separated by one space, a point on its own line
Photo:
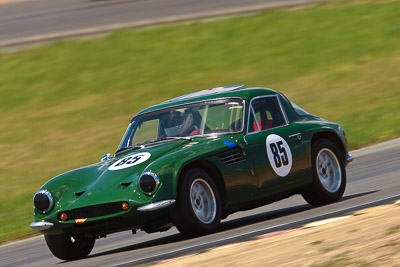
106 157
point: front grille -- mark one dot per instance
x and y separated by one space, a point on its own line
231 157
93 211
99 223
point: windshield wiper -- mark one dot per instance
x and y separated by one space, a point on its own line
142 145
128 148
176 138
165 138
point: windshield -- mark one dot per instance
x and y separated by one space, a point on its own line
204 118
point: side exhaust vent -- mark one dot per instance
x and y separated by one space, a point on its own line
231 156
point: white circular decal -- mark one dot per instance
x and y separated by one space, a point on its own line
279 154
129 161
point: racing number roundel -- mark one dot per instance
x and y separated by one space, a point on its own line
279 154
129 161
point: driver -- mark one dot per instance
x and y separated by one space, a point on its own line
178 124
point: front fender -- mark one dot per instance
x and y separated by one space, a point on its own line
169 167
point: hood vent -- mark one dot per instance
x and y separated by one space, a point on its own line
231 157
125 183
78 194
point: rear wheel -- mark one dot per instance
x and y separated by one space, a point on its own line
198 208
329 174
69 247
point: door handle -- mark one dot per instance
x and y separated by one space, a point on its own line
297 135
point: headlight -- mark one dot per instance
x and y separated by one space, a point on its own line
43 201
148 182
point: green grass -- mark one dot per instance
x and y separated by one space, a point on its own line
66 104
393 230
337 260
343 259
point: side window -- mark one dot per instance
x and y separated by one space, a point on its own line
267 112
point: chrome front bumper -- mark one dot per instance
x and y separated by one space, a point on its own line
156 205
42 225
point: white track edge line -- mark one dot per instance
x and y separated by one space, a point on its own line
151 22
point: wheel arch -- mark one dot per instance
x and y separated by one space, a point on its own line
212 170
333 137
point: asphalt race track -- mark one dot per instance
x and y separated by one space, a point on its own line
373 179
37 20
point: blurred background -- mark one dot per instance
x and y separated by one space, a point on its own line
66 102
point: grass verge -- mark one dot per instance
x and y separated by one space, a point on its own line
64 105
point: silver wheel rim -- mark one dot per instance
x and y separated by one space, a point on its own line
328 170
203 201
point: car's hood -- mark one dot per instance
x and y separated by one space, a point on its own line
108 181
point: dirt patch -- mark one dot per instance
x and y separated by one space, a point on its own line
371 238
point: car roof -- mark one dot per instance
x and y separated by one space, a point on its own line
213 93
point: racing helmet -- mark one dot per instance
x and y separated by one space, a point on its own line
177 123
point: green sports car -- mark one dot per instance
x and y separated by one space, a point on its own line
191 161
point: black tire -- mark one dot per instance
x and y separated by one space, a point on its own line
69 247
197 192
329 174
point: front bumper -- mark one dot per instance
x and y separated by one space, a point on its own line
110 221
42 225
156 205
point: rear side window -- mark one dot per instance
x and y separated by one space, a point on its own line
265 113
299 110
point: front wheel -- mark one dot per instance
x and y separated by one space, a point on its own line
329 174
198 208
69 247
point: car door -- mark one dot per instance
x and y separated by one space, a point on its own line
276 146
